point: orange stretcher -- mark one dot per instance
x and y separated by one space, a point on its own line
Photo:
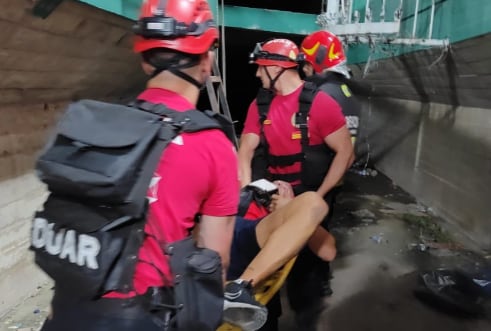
264 291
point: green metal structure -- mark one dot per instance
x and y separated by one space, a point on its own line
230 16
453 20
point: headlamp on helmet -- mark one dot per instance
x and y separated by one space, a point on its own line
186 26
168 27
259 54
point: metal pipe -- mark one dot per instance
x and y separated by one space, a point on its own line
382 12
350 10
343 13
415 18
224 69
333 9
430 29
367 11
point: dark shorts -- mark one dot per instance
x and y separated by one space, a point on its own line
244 246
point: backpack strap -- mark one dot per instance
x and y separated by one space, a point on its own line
305 99
190 120
301 118
225 123
263 100
138 205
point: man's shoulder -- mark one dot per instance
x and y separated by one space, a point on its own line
214 140
215 134
206 148
168 98
324 104
322 96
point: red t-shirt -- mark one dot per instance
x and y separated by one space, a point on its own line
325 117
198 173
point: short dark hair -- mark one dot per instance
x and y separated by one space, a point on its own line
166 58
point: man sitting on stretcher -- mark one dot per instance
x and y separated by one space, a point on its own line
267 237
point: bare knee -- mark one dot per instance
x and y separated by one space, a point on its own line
315 202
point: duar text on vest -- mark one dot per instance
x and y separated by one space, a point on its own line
80 249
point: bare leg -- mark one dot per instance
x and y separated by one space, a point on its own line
283 233
323 244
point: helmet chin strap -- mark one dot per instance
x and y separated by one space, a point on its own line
173 66
187 78
272 81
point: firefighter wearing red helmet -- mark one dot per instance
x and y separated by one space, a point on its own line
323 50
195 175
274 57
175 35
280 52
326 66
172 44
301 134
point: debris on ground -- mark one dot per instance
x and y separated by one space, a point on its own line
429 229
363 214
453 290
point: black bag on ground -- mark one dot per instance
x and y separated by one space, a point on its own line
451 290
97 167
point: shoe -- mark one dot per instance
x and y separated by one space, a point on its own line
326 274
240 307
326 290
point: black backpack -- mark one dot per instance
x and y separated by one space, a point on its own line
97 168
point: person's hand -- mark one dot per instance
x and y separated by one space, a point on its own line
284 189
278 201
284 196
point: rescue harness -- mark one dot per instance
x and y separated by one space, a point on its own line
315 159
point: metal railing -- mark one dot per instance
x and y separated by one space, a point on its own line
343 19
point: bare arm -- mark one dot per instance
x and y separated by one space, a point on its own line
340 142
216 233
248 144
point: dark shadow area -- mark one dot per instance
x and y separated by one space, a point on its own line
241 82
384 297
377 285
306 6
390 304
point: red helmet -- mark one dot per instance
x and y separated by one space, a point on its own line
183 25
276 52
323 50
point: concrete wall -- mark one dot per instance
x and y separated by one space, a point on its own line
439 153
429 124
77 52
22 132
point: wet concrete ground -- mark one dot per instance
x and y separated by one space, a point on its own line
385 239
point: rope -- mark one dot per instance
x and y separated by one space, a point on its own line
223 71
443 55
